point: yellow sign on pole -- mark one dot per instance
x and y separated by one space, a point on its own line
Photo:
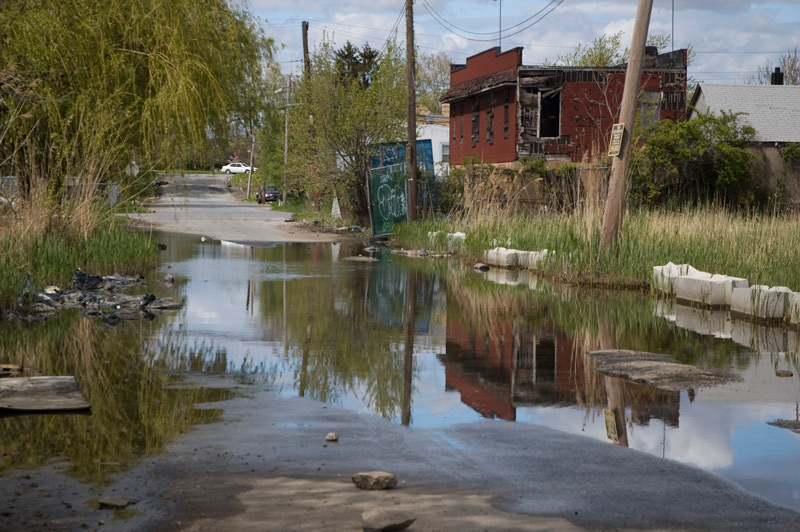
616 139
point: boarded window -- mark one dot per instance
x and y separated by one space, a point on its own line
476 120
505 114
490 120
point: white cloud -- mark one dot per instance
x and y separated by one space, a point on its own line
732 39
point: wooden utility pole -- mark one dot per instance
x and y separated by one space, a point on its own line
306 64
411 148
286 133
615 201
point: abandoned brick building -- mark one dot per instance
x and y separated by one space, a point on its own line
501 110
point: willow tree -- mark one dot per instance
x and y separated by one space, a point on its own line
351 101
100 83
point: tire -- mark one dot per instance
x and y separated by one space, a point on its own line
228 171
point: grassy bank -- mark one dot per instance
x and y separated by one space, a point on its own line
762 249
40 247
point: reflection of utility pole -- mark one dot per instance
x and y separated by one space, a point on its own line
408 336
286 134
411 148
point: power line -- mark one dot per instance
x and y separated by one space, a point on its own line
427 5
443 24
394 27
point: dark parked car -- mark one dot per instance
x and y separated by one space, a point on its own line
267 193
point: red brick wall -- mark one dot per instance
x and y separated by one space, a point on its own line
503 146
487 62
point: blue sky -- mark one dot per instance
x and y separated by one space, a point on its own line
731 38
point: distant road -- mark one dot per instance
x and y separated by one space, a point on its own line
201 204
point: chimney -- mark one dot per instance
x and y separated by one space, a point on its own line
650 56
777 77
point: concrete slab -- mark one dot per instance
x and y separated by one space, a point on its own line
663 275
701 288
761 302
793 309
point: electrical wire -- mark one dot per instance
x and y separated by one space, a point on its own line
393 31
427 5
490 40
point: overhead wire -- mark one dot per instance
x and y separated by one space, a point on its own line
394 27
427 5
443 24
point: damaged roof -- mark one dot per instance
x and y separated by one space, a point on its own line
772 110
474 86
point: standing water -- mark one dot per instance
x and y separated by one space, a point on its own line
426 343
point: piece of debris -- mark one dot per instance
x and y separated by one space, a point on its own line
371 249
379 520
361 258
481 267
656 370
41 394
332 436
10 369
411 252
783 373
375 480
86 281
791 424
113 503
169 279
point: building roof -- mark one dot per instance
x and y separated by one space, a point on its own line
475 86
772 110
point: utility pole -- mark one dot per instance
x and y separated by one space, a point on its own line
615 202
286 133
411 148
306 64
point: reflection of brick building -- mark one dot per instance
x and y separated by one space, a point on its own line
498 370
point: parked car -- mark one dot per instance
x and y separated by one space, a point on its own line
237 168
267 193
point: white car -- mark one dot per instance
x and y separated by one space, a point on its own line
237 168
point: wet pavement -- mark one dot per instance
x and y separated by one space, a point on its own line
481 367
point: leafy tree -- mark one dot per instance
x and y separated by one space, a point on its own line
432 80
606 51
789 64
352 101
698 160
121 79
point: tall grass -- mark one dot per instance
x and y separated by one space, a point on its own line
42 243
760 248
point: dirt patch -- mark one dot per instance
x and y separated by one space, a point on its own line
657 370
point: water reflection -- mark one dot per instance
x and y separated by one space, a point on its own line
425 343
428 343
134 410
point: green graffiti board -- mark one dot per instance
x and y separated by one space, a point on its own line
387 197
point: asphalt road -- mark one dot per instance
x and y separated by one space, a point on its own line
201 204
267 466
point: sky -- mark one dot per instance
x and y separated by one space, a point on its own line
731 39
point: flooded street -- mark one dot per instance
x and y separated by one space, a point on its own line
425 343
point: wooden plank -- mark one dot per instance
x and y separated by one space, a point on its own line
41 394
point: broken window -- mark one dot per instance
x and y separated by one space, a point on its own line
650 108
550 113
